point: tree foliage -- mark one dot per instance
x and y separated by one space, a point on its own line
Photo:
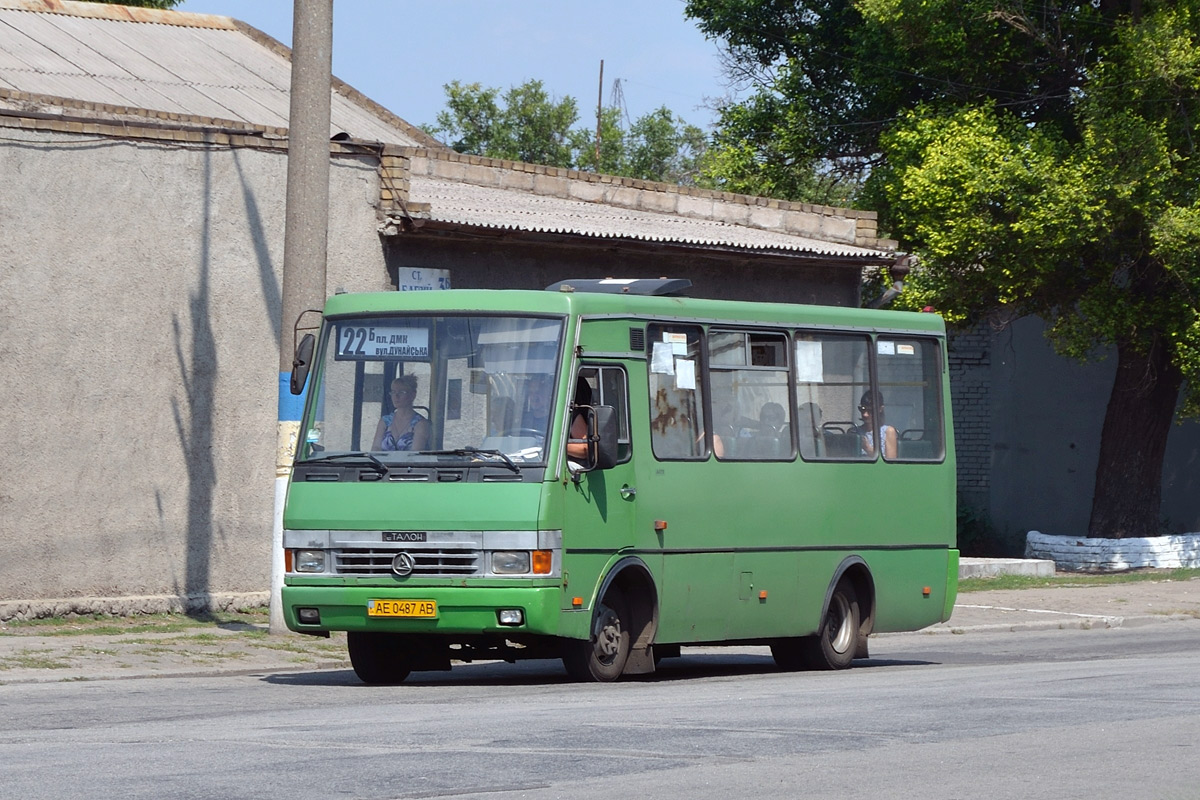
526 124
1041 158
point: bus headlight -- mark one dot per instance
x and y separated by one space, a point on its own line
510 562
309 560
511 616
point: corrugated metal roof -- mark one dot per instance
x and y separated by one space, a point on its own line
458 203
164 61
197 65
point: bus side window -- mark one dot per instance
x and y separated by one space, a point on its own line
676 400
909 371
833 371
748 371
610 387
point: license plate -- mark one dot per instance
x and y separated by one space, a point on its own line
422 609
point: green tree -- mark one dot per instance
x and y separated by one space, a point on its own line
537 127
613 157
526 124
1040 158
664 148
472 121
760 147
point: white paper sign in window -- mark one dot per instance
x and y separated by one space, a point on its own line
677 341
662 360
685 374
809 364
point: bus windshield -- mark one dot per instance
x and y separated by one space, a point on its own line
417 389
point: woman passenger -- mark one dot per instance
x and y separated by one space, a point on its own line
870 407
404 428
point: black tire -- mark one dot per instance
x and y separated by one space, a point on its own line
378 659
836 641
602 658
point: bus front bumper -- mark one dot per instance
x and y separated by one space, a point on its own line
458 610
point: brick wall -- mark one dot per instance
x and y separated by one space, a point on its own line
970 385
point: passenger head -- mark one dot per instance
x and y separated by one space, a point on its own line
811 413
538 389
583 393
403 387
870 406
503 414
771 416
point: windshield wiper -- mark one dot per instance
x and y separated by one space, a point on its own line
376 464
474 451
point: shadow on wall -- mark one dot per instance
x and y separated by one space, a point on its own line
271 291
198 371
194 423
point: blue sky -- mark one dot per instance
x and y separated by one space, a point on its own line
400 53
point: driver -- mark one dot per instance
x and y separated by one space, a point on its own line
536 414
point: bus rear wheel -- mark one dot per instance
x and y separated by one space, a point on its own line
378 658
836 641
602 658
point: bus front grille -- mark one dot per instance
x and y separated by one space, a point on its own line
444 562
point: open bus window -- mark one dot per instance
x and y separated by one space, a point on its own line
609 387
676 402
474 377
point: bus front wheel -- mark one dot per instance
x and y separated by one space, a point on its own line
378 658
603 657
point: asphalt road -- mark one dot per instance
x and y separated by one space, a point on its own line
1031 714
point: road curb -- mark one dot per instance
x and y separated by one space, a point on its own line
994 567
1083 622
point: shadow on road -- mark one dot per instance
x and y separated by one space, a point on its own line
549 672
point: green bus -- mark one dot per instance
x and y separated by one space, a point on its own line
607 471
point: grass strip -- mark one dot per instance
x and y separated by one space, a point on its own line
1074 579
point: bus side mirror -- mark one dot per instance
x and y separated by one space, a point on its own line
604 437
301 363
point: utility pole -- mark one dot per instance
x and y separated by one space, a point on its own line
305 236
599 113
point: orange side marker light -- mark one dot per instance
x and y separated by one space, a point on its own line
577 602
660 524
926 591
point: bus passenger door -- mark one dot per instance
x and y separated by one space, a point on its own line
599 505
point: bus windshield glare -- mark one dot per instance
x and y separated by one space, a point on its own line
416 389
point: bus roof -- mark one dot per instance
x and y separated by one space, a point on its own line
629 306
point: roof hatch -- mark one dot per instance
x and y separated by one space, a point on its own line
660 287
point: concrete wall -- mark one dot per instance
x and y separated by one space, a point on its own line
141 286
1045 418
